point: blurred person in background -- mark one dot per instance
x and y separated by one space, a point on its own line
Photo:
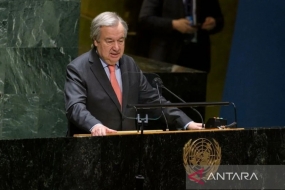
179 31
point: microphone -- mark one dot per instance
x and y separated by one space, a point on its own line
158 82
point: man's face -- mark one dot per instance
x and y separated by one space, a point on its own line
111 44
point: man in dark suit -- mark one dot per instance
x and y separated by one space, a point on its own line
94 104
178 31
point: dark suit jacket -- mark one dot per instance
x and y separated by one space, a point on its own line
167 44
90 98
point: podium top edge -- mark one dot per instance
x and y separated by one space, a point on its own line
152 132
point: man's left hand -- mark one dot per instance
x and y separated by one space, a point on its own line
194 126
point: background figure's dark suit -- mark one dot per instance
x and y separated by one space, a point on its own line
169 45
90 98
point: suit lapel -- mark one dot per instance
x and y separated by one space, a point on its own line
100 74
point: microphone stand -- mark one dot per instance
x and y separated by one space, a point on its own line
192 104
203 126
157 81
141 122
167 128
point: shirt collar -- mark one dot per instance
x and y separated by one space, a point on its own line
104 64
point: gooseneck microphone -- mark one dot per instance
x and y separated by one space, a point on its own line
157 84
157 81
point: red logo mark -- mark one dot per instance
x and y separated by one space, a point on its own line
197 176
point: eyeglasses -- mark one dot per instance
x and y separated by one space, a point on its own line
110 42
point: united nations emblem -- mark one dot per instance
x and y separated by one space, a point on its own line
201 158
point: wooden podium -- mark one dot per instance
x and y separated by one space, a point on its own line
112 162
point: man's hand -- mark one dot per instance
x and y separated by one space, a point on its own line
194 125
209 23
183 26
101 130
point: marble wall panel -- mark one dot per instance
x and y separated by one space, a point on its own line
38 38
20 116
22 69
3 22
52 119
2 69
43 23
1 114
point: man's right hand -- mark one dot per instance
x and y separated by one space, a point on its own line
183 26
101 130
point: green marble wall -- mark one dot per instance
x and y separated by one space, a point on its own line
38 38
